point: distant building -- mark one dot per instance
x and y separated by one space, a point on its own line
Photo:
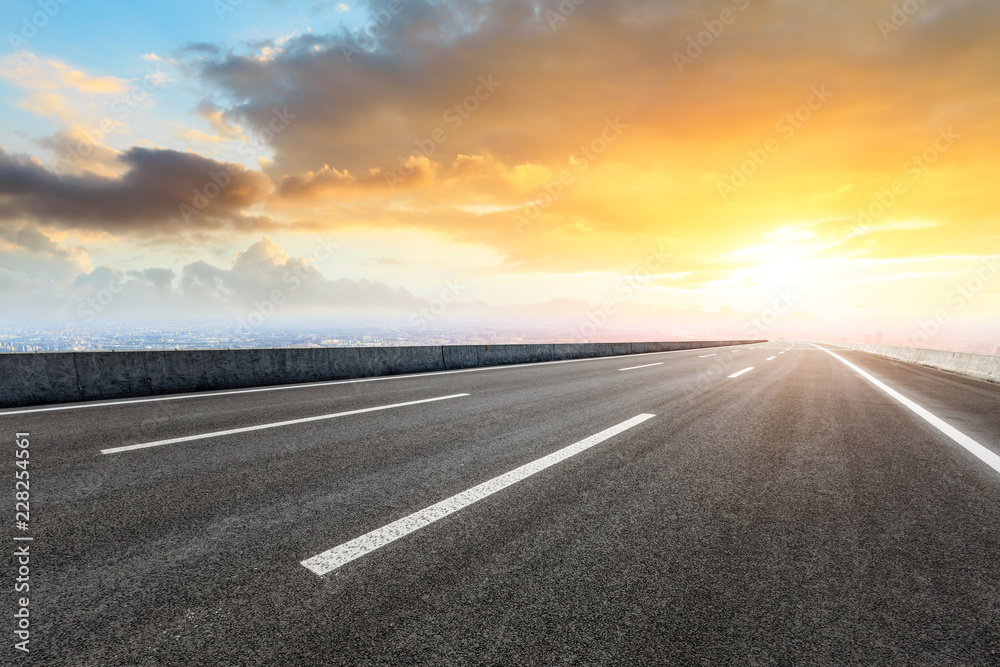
997 351
868 339
878 337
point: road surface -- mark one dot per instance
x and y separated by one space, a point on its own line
774 504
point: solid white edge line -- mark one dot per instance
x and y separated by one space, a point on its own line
704 356
982 453
341 555
745 370
659 363
311 385
261 427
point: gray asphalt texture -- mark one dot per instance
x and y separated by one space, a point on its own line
795 515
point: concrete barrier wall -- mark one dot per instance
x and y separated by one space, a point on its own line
61 377
979 366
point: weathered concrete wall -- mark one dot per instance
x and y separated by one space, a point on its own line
61 377
979 366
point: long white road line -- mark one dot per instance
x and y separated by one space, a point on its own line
358 547
745 370
261 427
982 453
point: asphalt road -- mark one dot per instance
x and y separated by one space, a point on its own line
795 514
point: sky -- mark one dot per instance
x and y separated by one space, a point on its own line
679 166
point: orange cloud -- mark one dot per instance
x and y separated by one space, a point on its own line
798 144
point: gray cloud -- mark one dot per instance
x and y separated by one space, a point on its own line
366 109
27 250
43 280
203 48
263 268
146 199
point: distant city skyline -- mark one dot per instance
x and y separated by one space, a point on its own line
131 336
